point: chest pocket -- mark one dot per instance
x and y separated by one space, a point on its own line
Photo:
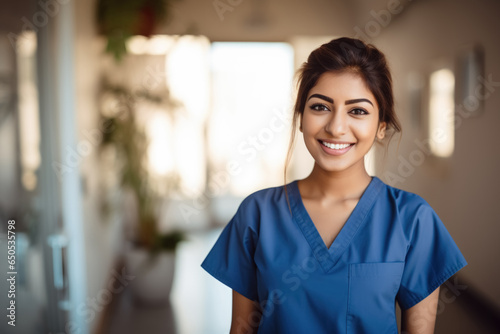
372 294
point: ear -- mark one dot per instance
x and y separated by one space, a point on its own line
381 130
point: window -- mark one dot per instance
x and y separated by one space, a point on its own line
249 125
232 123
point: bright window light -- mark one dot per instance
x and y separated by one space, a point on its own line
154 45
250 121
160 150
233 108
187 70
441 113
188 74
176 134
137 45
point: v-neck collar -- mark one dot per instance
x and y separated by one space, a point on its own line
328 257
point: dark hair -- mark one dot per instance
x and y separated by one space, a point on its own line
352 55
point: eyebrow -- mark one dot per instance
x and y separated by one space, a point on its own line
357 101
323 97
329 99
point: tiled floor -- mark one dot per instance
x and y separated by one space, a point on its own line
202 305
199 304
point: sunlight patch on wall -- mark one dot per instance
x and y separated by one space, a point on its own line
28 110
441 113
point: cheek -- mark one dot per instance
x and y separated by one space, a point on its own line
310 125
365 132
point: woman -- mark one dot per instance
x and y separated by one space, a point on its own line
334 252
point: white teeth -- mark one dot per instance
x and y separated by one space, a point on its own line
335 146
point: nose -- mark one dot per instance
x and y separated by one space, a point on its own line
337 124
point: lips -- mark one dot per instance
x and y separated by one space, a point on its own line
335 148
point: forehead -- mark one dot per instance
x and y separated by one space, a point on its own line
343 85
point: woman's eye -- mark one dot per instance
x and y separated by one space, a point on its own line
319 107
358 111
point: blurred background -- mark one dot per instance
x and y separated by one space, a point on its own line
131 130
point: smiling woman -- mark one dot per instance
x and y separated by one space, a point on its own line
335 251
339 117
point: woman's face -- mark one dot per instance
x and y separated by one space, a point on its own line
340 121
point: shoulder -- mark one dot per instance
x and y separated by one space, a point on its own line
412 211
405 202
263 198
261 203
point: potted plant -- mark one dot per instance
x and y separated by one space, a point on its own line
152 255
118 20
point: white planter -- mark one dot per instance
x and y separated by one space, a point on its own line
154 276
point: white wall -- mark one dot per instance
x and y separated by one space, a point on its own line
465 189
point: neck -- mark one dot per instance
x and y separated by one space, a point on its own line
337 185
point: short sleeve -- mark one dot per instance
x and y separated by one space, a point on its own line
432 258
231 259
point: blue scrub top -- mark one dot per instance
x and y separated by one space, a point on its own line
392 248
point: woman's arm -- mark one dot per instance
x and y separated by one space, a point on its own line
421 318
246 315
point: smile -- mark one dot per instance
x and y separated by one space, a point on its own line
335 149
335 146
